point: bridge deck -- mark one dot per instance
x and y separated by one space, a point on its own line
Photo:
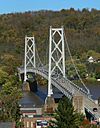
67 88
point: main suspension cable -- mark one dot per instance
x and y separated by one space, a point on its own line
88 91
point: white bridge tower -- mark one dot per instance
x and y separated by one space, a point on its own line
29 55
56 55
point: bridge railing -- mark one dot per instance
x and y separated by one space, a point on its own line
61 78
61 82
71 84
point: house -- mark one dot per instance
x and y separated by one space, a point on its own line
30 122
94 59
91 59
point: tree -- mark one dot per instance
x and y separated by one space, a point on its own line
9 98
65 116
82 70
3 76
10 63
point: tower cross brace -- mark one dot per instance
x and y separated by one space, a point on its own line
29 60
56 46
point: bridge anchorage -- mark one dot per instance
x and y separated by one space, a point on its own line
55 74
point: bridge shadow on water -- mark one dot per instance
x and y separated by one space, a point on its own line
38 94
41 92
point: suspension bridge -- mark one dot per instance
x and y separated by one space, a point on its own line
55 72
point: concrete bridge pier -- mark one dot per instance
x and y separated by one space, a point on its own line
49 106
78 103
30 84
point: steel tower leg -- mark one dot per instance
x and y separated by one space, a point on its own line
29 55
56 55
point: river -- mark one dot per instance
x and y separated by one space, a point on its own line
38 98
95 91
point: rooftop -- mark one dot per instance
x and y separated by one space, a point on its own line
7 125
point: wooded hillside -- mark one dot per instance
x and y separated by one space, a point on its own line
82 29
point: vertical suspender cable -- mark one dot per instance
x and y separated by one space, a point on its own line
88 91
